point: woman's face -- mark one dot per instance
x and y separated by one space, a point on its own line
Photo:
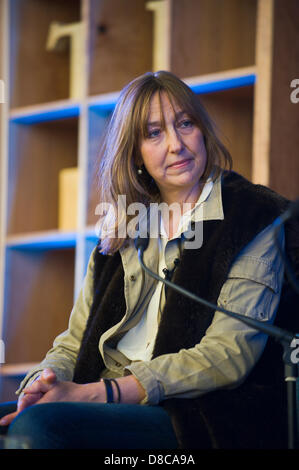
173 151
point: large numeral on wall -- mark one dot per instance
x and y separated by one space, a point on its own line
161 40
76 33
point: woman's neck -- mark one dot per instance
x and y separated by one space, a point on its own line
178 203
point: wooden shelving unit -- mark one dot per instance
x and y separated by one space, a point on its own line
228 51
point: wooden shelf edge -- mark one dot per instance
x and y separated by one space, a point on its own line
42 240
90 232
105 101
224 80
11 370
208 83
50 239
222 75
45 112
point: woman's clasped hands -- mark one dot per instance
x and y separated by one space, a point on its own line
47 388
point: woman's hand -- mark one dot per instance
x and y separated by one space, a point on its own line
32 394
47 389
72 392
130 389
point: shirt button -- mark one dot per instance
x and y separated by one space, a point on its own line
118 364
132 278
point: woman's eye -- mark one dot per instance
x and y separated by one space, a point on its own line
186 123
153 133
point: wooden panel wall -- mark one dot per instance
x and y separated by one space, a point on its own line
212 35
120 44
284 137
37 310
37 153
39 76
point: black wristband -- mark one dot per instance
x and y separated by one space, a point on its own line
118 390
109 391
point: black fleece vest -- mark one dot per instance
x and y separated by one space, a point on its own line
243 417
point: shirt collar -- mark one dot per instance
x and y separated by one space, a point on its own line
208 207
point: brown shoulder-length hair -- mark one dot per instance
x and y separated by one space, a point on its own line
120 151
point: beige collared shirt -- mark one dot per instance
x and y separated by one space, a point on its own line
138 343
227 352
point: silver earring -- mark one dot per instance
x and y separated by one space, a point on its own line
139 171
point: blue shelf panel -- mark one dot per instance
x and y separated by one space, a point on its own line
49 241
224 84
105 103
44 115
44 242
90 235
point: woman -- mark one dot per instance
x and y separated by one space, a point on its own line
185 376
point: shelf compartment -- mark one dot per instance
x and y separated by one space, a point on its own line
211 35
232 113
98 119
39 75
37 153
120 37
38 301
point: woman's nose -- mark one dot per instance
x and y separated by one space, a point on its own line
175 143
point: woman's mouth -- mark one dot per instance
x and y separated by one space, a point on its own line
180 163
